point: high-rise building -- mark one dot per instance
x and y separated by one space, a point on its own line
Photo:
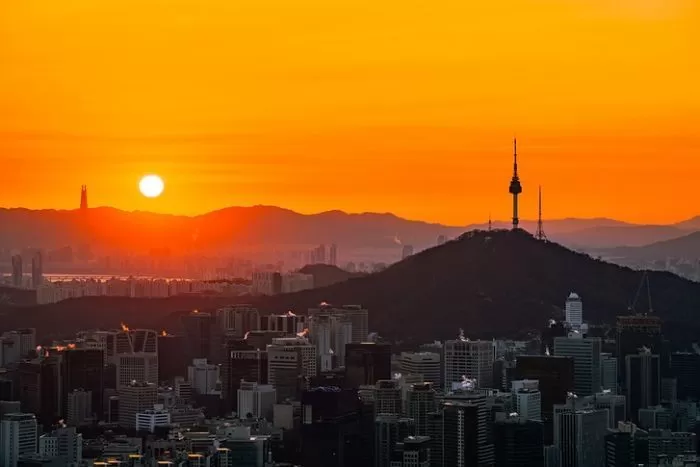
555 376
84 370
37 270
435 432
18 436
17 272
172 357
574 311
256 399
468 359
414 452
237 320
40 388
291 365
643 378
579 434
619 449
614 404
330 333
420 402
203 336
134 398
388 432
670 444
366 363
17 345
331 434
150 419
685 367
633 333
203 376
79 408
608 376
585 352
333 253
267 283
465 431
242 364
422 363
357 316
289 323
528 401
140 367
387 398
518 442
62 444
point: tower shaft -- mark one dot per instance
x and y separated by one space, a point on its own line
515 188
540 225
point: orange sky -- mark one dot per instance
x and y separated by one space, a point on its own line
363 105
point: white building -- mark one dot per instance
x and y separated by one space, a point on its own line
135 398
18 436
290 353
574 311
296 282
427 364
203 376
141 367
149 419
468 359
330 334
256 399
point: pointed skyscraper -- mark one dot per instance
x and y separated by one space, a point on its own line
515 187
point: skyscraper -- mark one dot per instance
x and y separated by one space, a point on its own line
387 398
586 354
389 431
421 401
366 363
84 370
18 436
574 311
518 442
242 364
579 434
333 255
515 188
17 273
37 270
470 359
528 401
83 198
237 320
291 364
685 367
633 333
422 363
357 316
134 398
203 336
465 431
643 377
608 368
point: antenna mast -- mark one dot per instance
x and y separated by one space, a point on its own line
540 235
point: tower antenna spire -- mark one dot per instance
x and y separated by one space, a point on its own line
515 188
540 235
490 222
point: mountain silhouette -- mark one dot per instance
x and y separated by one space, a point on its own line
687 246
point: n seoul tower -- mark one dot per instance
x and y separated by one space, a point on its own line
515 187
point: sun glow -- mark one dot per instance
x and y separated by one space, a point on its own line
151 186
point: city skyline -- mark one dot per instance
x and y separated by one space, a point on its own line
416 124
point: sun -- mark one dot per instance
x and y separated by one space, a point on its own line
151 186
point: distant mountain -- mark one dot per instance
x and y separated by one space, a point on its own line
687 247
500 283
325 275
611 236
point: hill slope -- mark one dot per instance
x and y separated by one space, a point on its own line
500 283
687 246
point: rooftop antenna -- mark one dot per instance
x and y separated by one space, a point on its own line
490 226
642 283
540 235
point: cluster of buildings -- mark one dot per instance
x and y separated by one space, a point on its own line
238 388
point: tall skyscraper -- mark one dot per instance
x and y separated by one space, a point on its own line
470 359
237 320
608 368
528 401
426 364
18 436
388 432
256 399
357 316
37 270
84 370
586 354
366 363
465 430
330 333
242 364
83 198
643 377
204 338
291 365
518 442
203 376
421 400
17 272
333 255
633 333
619 449
579 434
172 358
515 188
387 398
135 398
574 311
79 410
685 367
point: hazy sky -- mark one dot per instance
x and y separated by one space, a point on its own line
363 105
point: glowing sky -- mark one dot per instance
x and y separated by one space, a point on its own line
363 105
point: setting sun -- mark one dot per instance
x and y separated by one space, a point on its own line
151 186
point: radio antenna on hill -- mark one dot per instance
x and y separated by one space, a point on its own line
540 235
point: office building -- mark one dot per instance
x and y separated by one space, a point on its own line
289 323
150 419
133 399
37 270
17 272
518 442
608 375
237 320
256 400
17 345
579 434
79 410
528 401
387 398
585 351
243 364
388 432
84 370
267 283
62 444
18 436
573 311
291 365
333 255
203 376
355 314
330 334
614 404
331 433
685 367
172 357
643 380
140 367
619 449
413 451
244 449
203 336
470 359
422 363
40 388
366 363
421 400
465 432
633 333
670 444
